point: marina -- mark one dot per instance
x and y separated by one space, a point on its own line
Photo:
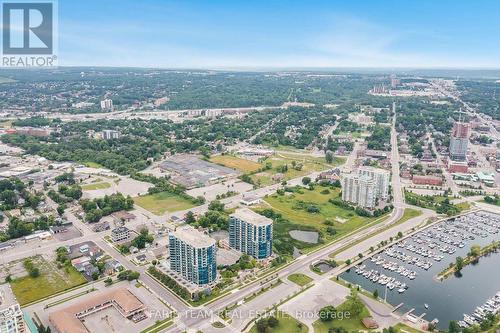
405 273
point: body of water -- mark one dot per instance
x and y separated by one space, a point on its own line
311 237
448 299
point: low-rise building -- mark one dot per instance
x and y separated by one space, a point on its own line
458 166
427 180
331 175
250 200
71 318
487 178
120 234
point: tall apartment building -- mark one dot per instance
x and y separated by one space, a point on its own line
382 179
107 104
251 233
459 141
193 255
11 316
110 134
359 190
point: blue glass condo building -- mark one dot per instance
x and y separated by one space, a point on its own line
193 255
251 233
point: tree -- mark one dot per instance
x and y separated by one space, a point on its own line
329 157
261 325
306 180
356 306
216 205
375 293
453 327
60 209
128 275
475 250
190 219
143 238
327 313
459 263
272 321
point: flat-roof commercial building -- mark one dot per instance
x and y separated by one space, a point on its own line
193 255
71 318
11 315
427 180
251 233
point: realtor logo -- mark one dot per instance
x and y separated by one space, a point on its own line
28 34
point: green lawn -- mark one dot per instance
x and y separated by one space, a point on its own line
93 165
299 278
287 324
409 213
96 186
463 205
406 329
291 207
233 162
51 281
6 123
162 202
159 326
351 324
309 165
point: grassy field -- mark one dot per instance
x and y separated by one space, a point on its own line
299 278
309 164
286 324
162 202
463 205
409 213
159 326
93 165
96 186
51 281
6 123
406 329
291 207
351 324
233 162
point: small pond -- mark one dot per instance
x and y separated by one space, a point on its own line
311 237
323 266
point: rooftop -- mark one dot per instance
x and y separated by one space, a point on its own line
193 237
69 319
373 169
7 298
250 216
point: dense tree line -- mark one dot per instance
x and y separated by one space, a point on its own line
97 208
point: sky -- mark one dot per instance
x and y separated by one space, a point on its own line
280 34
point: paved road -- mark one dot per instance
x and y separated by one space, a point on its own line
397 191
